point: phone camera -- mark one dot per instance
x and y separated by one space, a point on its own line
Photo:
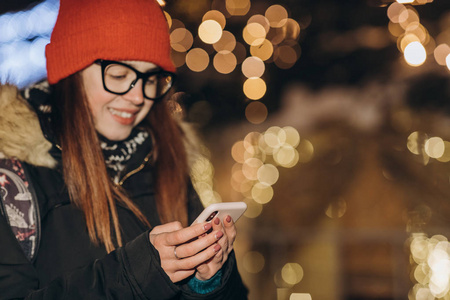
211 216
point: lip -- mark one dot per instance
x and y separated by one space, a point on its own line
124 120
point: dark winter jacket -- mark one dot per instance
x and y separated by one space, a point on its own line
64 264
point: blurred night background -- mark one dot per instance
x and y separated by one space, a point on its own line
329 118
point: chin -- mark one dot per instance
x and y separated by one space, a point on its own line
116 136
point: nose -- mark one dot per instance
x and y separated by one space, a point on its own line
135 94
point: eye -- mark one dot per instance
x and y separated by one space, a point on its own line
152 80
117 77
118 72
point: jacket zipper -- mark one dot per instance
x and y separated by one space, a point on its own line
131 173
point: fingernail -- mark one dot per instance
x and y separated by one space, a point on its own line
207 226
217 221
217 248
228 219
219 235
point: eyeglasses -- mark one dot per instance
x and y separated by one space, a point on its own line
119 78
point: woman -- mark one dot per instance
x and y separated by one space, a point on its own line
95 187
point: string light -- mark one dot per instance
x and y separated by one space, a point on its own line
272 35
413 39
258 157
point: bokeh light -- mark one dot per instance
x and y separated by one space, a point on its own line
253 262
285 56
238 7
434 147
237 151
336 209
254 88
181 39
413 38
306 151
446 155
254 34
264 51
256 112
291 30
261 20
225 62
216 16
197 59
441 54
258 155
262 193
253 67
23 37
292 273
286 156
210 31
277 15
250 168
227 42
268 174
432 269
202 174
396 12
292 136
168 18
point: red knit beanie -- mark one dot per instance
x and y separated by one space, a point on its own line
87 30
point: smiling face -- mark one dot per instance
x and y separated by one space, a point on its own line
116 115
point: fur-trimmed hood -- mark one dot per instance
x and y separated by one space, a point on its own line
21 136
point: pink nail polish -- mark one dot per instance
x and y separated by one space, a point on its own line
207 226
217 248
228 219
219 235
217 221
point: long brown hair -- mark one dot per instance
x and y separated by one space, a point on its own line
85 174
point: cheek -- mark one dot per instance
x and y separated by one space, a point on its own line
96 104
144 111
147 106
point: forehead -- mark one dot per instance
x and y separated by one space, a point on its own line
142 66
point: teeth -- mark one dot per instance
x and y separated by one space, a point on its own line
121 114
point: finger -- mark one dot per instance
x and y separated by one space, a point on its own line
168 227
195 246
199 258
230 229
211 266
208 268
216 224
180 275
225 249
228 221
186 234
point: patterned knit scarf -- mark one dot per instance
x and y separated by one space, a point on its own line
118 153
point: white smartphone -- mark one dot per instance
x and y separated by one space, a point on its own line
220 210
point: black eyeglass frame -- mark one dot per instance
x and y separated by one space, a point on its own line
104 63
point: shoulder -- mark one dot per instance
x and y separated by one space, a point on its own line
20 133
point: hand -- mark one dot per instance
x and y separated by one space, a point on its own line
179 249
207 269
